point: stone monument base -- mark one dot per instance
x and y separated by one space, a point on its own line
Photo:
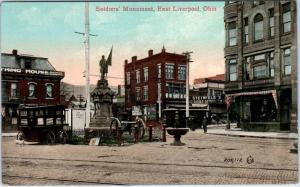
96 132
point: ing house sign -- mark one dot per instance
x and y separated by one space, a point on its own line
32 71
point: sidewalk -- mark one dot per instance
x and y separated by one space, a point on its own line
234 131
9 134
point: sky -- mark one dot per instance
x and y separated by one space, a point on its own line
47 29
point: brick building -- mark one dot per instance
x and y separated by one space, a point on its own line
26 80
208 93
158 77
261 64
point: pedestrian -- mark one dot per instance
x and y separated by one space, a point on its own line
204 124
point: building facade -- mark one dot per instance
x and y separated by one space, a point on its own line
261 64
155 83
26 80
209 93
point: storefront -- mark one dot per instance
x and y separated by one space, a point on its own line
267 110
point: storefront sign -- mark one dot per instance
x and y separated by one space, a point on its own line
31 71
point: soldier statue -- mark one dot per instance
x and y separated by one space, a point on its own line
103 63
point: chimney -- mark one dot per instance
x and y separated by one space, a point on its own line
15 52
134 58
126 62
150 52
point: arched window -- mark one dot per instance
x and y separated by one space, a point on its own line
32 89
49 91
258 27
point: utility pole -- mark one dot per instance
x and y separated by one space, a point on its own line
87 63
187 87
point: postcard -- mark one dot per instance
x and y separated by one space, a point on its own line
149 92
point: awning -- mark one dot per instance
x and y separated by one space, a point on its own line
228 97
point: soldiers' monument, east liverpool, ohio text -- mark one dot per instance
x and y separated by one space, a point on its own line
102 97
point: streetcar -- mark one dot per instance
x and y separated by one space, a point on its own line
45 124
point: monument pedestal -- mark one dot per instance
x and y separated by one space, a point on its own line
102 97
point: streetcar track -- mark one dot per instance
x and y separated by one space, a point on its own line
159 174
62 180
153 163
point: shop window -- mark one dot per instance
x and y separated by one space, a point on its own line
32 90
286 17
258 27
232 70
231 34
287 61
271 22
49 91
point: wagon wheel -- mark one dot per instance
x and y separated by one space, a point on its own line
62 137
141 128
20 136
114 127
50 138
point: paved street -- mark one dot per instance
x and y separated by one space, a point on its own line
205 159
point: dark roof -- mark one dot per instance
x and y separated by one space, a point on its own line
217 78
37 63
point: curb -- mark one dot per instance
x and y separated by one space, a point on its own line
252 136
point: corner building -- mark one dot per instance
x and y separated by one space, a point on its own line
26 80
155 83
261 64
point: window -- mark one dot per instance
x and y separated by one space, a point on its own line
232 34
260 66
27 64
271 22
247 68
181 72
169 71
246 31
31 90
138 76
49 91
145 74
286 17
232 70
13 90
158 71
258 27
271 63
287 61
128 77
137 93
128 95
145 93
259 71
